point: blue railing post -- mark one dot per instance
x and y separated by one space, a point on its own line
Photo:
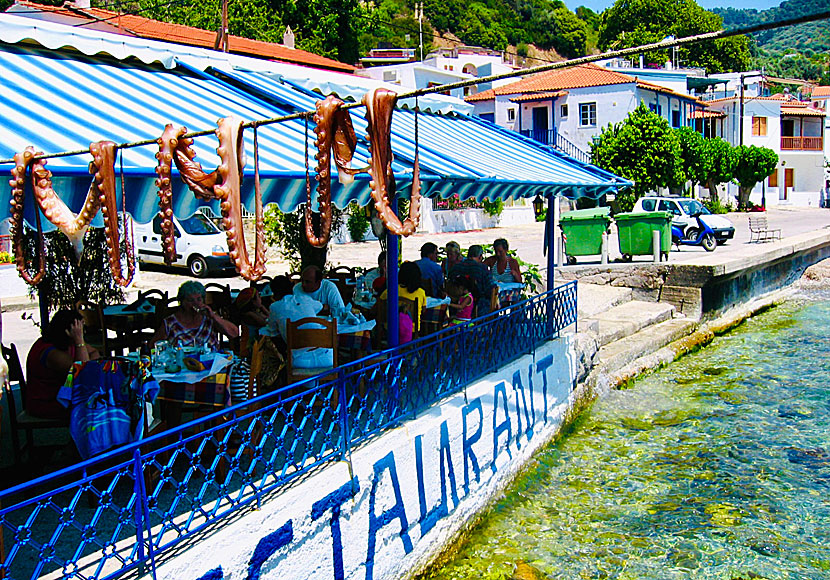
142 517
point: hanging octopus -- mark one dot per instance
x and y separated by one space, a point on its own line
102 168
73 226
18 185
168 144
224 184
335 136
380 104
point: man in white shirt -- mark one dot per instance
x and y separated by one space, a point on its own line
287 306
325 292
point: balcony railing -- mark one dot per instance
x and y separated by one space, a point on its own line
119 512
802 143
552 138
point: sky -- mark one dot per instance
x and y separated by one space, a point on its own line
600 5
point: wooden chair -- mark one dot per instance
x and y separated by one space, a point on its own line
319 333
153 296
494 298
405 305
295 277
434 319
92 316
218 297
21 420
426 284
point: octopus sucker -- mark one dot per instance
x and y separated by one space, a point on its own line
22 161
380 104
168 142
102 168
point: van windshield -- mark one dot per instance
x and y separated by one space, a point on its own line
199 225
693 206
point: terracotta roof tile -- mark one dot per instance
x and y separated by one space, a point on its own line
801 111
538 96
666 90
482 96
706 115
188 35
588 75
821 92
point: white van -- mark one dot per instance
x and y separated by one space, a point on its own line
200 245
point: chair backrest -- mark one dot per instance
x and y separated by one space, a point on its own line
256 364
315 332
15 369
155 296
342 272
91 314
494 298
426 284
405 305
295 277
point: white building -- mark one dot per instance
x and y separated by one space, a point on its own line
793 129
568 107
442 66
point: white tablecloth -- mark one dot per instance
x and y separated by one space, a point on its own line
214 363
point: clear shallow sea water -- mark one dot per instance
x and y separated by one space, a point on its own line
717 467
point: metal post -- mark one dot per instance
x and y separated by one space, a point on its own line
655 246
604 258
553 237
392 287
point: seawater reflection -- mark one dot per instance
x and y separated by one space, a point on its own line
716 467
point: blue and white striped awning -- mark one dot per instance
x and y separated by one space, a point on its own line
473 158
59 101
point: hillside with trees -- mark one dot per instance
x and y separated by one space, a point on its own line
796 52
347 29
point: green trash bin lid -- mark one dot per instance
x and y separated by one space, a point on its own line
643 215
582 214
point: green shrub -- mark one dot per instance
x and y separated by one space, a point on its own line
6 258
358 222
715 206
493 208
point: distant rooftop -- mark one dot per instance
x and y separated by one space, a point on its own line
139 26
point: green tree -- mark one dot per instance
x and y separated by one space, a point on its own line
642 148
752 164
631 23
718 164
287 232
691 155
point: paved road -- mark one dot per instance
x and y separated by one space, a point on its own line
526 240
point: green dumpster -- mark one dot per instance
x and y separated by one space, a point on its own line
583 230
634 231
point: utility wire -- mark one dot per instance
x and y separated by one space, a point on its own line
96 20
508 75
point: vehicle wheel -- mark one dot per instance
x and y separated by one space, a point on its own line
571 260
721 242
626 257
198 267
691 234
709 243
664 256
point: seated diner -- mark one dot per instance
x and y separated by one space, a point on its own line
49 361
504 268
194 323
409 286
287 305
312 285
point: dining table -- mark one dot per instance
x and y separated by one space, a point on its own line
208 386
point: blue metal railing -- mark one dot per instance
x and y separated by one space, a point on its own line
553 138
119 511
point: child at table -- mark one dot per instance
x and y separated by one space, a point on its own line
461 295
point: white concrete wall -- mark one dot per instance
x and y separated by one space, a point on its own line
413 488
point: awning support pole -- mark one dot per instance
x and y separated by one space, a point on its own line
392 283
552 218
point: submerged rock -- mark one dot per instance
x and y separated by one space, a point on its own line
795 411
815 458
525 571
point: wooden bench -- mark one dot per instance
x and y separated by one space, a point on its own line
759 230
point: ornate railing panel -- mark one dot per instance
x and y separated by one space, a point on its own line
119 511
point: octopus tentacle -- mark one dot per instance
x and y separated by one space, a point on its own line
199 182
168 144
380 104
73 226
22 161
102 167
335 138
227 190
